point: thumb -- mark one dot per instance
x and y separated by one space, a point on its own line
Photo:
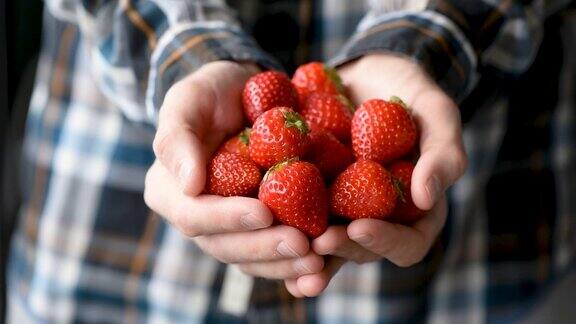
437 169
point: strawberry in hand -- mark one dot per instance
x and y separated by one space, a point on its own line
295 193
363 190
329 112
267 90
383 131
316 77
230 174
406 212
329 155
238 144
277 135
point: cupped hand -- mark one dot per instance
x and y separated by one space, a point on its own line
442 161
198 113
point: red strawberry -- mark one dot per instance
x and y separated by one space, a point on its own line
277 135
295 193
316 77
382 131
364 190
230 174
329 112
238 144
329 155
268 90
406 211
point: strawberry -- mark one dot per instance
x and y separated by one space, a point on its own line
267 90
238 144
329 112
277 135
230 174
295 193
329 155
383 131
405 211
316 77
364 190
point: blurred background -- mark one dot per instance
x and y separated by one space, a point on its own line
20 25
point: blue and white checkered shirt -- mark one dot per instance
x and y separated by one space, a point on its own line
87 249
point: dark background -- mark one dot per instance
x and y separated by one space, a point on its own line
20 24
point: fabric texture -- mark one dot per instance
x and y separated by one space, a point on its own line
87 249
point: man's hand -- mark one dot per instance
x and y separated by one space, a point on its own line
441 163
198 113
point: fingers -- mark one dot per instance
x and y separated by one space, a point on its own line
285 269
442 157
182 153
196 115
437 169
178 145
292 287
335 241
205 214
274 243
314 284
402 245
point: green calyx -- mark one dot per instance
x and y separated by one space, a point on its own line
245 136
344 100
293 119
278 166
335 78
399 188
399 101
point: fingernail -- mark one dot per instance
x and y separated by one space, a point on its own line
363 239
252 222
433 188
286 250
300 267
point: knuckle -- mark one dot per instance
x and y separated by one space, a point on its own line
296 239
314 263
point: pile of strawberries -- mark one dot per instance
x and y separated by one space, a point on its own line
322 157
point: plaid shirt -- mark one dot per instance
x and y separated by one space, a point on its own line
87 249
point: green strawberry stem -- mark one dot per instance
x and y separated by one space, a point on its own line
335 78
278 166
399 101
346 103
399 187
245 136
293 119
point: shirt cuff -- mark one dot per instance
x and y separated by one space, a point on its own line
427 37
184 49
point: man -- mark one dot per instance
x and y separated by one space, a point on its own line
132 98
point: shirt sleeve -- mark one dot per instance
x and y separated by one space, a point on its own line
451 40
139 48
